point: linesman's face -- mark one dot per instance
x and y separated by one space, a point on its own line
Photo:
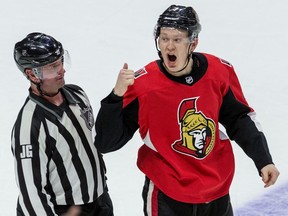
50 77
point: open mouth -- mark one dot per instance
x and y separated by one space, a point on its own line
59 77
172 58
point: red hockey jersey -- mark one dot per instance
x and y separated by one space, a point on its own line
184 152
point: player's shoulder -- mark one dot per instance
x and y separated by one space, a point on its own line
217 67
217 60
147 70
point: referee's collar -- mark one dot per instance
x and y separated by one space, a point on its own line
52 108
69 96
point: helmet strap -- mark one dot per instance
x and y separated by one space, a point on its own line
38 86
43 93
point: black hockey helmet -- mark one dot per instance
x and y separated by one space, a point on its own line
36 50
179 17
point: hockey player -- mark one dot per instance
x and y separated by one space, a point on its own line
177 103
58 168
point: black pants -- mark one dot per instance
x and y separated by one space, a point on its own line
101 207
156 203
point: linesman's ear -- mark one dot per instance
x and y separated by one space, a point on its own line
31 76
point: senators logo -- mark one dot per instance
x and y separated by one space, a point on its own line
197 131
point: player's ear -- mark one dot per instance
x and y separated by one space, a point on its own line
194 45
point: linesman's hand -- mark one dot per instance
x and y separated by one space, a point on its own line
73 211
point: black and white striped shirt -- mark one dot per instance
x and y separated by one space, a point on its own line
56 161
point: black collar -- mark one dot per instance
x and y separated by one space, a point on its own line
199 68
52 108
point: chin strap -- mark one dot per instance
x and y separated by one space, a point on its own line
38 85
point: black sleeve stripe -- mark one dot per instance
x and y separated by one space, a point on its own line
36 163
21 179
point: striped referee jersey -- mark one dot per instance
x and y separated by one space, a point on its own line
56 161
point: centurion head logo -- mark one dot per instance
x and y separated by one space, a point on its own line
197 131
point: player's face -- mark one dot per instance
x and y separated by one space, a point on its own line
174 45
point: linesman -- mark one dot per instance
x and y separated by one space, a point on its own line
57 166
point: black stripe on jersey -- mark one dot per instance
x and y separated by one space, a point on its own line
89 152
86 144
36 161
61 170
50 148
21 179
76 162
102 171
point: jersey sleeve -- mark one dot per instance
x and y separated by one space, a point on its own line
31 165
115 124
241 125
